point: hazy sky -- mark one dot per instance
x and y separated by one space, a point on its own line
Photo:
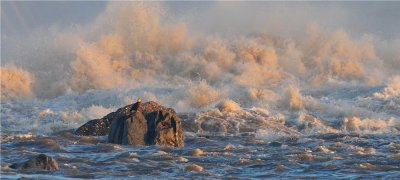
17 16
378 18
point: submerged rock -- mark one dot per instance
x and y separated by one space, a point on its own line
138 124
196 152
41 161
280 168
194 167
182 159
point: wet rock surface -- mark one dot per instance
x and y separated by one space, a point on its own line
147 124
95 127
41 161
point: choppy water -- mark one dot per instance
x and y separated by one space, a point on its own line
314 100
240 143
241 156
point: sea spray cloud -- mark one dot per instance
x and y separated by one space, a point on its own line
131 51
136 44
336 55
16 83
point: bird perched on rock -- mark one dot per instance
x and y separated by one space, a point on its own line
137 107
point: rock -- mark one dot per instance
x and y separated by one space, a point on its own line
280 168
229 147
196 152
394 155
39 162
366 165
306 157
100 127
322 149
181 159
158 127
131 130
138 124
133 155
194 167
275 144
96 127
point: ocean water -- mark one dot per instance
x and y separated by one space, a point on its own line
236 142
325 104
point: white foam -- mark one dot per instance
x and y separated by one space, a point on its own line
370 126
269 135
391 90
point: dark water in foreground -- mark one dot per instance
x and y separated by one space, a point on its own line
332 156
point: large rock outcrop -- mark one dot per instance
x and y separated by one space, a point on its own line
39 162
149 125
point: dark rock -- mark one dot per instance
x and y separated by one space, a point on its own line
138 124
168 129
95 127
39 162
100 127
275 144
132 130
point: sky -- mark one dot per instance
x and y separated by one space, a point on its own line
377 18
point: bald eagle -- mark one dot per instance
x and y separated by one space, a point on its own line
137 107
